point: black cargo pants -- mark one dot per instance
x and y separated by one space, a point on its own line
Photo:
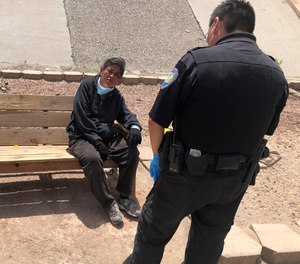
126 157
212 201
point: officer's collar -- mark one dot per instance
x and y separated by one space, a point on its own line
238 36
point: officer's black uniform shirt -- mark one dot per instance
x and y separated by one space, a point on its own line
225 98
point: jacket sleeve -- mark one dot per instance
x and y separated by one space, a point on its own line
82 114
126 117
281 104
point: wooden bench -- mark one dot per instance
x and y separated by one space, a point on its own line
33 136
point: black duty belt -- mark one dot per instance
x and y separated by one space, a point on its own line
214 158
219 161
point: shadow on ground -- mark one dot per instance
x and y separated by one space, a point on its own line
50 197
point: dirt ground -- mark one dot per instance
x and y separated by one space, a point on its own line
59 221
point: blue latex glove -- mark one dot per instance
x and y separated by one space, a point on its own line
154 167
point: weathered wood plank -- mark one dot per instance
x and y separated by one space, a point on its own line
11 154
34 119
35 102
19 167
34 136
42 166
34 153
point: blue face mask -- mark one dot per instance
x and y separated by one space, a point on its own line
102 90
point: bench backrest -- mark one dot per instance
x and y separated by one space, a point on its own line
34 119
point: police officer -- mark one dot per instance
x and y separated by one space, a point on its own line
222 100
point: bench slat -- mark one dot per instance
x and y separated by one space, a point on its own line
42 166
12 154
34 153
31 137
36 102
17 167
16 159
34 119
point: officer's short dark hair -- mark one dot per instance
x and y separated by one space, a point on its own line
115 61
236 15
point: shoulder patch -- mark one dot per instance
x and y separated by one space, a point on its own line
170 79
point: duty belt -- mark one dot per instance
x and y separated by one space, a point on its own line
214 158
221 161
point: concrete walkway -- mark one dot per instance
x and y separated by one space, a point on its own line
61 35
34 33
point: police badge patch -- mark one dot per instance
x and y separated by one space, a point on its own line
170 79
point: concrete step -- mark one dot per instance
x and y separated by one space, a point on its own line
240 248
280 244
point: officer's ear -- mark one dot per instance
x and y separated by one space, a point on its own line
215 27
213 34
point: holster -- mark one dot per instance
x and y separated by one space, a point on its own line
176 157
171 154
164 150
254 167
196 166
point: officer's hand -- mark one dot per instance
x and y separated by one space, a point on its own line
134 137
154 167
102 150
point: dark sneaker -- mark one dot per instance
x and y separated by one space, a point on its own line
115 215
130 206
